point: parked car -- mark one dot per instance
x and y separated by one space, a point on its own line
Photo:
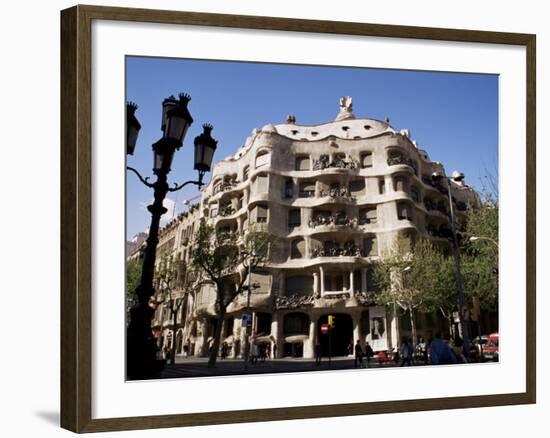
384 357
490 349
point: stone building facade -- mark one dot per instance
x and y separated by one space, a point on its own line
337 195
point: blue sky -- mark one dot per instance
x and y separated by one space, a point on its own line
454 116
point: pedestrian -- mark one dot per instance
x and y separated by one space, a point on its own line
274 351
318 353
440 352
368 354
422 349
255 353
458 351
224 350
406 352
358 355
263 352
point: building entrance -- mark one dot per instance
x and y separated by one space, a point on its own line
341 334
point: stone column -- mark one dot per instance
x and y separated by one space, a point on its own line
254 324
357 328
364 286
351 285
309 345
322 275
388 180
277 333
281 283
315 284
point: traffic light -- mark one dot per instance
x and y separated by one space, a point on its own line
331 320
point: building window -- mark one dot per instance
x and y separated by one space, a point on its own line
302 163
307 189
399 183
261 183
217 186
263 323
367 216
229 326
396 157
262 159
246 172
214 211
429 204
294 219
357 187
334 190
289 189
296 324
366 160
370 247
415 194
262 278
261 214
240 202
403 211
298 249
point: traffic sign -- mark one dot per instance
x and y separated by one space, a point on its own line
324 329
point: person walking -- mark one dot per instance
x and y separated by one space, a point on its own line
358 355
368 354
255 353
406 352
440 352
318 353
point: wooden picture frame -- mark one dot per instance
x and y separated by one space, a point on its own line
76 217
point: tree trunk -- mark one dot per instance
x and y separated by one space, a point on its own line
213 355
413 326
174 333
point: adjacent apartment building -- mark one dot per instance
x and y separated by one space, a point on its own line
337 195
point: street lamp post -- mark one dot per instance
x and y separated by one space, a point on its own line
436 176
176 119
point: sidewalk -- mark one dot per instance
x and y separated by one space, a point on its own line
198 367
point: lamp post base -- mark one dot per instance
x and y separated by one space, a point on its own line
141 348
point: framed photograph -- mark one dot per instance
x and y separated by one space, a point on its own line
270 219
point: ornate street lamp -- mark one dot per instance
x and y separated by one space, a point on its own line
176 119
132 127
205 146
437 177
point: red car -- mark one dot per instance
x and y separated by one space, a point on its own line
490 349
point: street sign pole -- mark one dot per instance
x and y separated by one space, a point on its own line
329 346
